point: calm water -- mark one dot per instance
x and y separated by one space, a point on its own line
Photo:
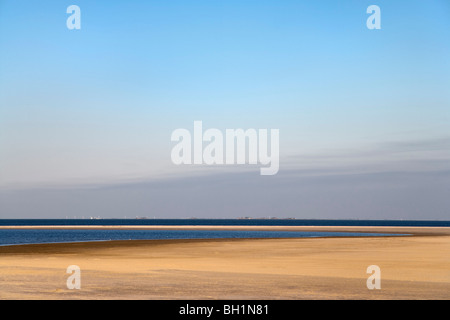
14 236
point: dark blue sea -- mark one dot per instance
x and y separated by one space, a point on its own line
29 236
222 222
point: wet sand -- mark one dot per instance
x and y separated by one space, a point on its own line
412 267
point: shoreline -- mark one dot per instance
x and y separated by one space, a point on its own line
386 232
46 247
333 229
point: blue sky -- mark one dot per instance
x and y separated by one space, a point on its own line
98 105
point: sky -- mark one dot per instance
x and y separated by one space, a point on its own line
86 115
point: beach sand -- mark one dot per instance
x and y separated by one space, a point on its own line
412 267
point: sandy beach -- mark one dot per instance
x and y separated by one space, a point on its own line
412 267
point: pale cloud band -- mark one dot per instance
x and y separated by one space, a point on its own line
402 180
